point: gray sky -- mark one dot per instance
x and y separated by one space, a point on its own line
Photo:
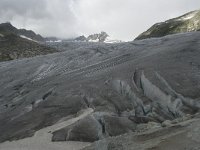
122 19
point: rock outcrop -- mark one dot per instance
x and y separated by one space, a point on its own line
186 23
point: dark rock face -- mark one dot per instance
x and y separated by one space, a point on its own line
118 125
141 119
92 128
186 23
7 28
86 130
101 37
81 38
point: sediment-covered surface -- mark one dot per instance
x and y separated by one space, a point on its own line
135 95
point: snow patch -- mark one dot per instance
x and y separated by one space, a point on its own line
112 40
25 37
188 16
96 40
51 41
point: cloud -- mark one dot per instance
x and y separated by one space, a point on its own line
24 8
126 19
122 19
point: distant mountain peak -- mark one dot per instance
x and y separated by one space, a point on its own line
6 24
7 28
81 38
98 37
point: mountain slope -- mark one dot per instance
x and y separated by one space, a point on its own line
20 43
186 23
7 28
14 47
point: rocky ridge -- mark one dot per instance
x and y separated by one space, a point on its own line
99 37
185 23
8 28
20 43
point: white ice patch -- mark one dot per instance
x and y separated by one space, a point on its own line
37 102
58 41
97 40
187 17
43 71
112 40
25 37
